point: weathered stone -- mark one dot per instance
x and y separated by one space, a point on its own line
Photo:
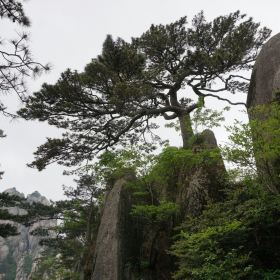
264 89
4 249
25 245
265 78
36 197
123 255
13 191
190 188
197 185
113 241
209 139
16 211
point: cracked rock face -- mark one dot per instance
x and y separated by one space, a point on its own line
112 240
265 89
36 197
13 191
127 247
20 252
265 79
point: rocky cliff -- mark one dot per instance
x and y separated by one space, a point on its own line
265 80
115 235
18 254
129 248
264 92
134 249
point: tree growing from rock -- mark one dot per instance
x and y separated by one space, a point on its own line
119 93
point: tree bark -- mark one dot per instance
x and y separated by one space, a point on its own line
186 129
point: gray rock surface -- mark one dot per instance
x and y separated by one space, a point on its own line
36 197
4 249
265 77
190 187
193 187
109 259
23 248
16 211
265 88
13 191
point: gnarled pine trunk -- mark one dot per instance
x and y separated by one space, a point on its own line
186 129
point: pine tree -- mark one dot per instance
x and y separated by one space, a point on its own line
16 62
114 100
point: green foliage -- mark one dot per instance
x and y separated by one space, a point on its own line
136 159
266 131
120 92
51 264
173 159
150 204
234 239
240 150
238 238
156 213
257 144
204 118
75 234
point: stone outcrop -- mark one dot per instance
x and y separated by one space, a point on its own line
128 248
113 242
204 182
190 188
265 89
14 191
265 79
36 197
18 254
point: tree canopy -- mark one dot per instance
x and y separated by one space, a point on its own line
114 100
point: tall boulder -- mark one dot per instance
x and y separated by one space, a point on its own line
194 186
265 89
190 187
265 79
130 248
114 240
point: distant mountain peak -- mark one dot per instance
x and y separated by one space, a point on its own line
14 191
34 197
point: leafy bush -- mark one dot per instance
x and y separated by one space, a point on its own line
156 213
235 239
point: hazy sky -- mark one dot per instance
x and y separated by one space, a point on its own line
68 34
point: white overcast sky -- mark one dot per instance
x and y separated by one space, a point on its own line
68 34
